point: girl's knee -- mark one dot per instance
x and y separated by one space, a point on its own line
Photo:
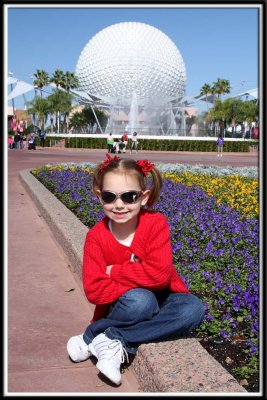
188 306
141 303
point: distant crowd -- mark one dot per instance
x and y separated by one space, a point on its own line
21 139
118 146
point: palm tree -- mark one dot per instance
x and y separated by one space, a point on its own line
59 102
70 81
57 78
221 86
206 90
42 79
39 108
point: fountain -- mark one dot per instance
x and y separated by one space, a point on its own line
133 115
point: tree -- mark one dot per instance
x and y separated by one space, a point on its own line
216 115
70 81
39 108
78 121
206 90
251 112
57 78
81 120
59 102
232 112
66 81
41 79
221 86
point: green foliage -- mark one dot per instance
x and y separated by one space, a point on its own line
40 108
164 144
234 111
86 143
250 368
82 119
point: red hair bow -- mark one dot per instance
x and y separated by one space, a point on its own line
145 165
108 161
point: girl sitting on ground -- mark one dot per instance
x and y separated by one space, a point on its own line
128 271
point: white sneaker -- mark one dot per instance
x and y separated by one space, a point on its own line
78 350
111 354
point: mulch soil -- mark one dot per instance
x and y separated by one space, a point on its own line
230 356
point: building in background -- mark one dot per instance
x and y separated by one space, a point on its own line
138 75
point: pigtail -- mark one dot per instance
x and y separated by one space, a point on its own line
96 184
155 187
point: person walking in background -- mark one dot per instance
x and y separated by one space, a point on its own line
31 142
219 143
21 142
10 141
19 134
110 142
128 271
125 141
134 144
17 140
42 136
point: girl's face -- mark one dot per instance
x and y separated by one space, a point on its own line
121 212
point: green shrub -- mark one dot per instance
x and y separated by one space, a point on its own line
159 144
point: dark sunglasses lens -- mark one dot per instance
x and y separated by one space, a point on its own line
129 197
108 197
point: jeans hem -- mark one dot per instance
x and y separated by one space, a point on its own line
110 335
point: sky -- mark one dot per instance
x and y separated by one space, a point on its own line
214 41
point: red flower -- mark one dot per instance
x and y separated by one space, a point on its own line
146 166
108 161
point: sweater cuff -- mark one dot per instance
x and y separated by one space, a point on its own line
115 272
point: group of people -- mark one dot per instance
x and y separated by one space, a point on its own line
31 141
19 141
16 141
119 146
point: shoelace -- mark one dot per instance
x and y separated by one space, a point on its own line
117 347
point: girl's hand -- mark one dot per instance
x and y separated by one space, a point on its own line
108 270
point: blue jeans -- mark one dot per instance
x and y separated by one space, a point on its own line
141 316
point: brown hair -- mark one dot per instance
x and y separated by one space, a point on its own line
129 166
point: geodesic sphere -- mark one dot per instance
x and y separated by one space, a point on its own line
131 57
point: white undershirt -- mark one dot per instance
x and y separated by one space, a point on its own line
126 242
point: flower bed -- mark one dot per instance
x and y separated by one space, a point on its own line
214 225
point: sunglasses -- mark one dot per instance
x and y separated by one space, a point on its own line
128 197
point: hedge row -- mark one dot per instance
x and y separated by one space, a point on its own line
164 144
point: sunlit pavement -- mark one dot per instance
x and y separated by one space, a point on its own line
41 156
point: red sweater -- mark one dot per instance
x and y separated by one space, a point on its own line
154 269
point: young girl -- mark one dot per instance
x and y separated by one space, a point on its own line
219 145
134 144
128 272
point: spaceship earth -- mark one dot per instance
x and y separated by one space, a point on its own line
128 58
